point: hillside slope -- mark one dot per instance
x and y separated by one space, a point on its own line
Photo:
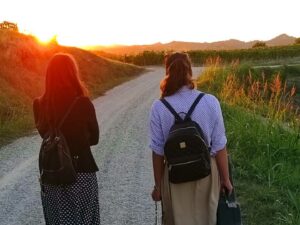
22 65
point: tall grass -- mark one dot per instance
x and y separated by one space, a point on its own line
264 94
263 133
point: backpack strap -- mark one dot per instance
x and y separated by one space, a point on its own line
197 100
67 113
171 109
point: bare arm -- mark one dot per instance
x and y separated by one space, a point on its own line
158 169
222 163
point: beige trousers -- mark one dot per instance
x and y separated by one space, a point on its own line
191 203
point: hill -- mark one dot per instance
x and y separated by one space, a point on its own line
22 65
282 39
231 44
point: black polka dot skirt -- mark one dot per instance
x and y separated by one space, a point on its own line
75 204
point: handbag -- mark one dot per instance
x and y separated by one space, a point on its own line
229 212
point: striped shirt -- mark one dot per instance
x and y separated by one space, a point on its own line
207 114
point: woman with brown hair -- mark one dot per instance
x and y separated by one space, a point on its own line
75 203
194 202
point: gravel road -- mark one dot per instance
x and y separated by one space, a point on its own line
124 159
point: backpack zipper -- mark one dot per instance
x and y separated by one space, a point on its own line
180 164
185 128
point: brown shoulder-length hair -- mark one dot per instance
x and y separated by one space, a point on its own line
62 82
178 73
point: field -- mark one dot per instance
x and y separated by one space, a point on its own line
22 65
263 130
279 54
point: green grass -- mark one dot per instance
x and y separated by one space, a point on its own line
22 65
266 167
264 147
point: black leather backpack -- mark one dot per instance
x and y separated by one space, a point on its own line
186 152
55 160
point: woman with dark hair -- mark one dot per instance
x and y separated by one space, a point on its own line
193 202
75 203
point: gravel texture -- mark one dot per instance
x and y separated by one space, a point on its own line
124 159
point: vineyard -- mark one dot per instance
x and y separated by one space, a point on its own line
200 57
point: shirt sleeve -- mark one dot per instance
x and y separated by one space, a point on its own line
41 125
155 131
93 126
218 137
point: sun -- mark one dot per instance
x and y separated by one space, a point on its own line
45 37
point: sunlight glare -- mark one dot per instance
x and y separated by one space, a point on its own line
44 38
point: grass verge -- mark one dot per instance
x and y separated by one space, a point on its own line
263 140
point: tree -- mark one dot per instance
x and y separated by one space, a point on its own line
297 41
259 44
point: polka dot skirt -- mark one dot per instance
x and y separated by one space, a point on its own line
75 204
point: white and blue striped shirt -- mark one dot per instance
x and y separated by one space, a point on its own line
207 114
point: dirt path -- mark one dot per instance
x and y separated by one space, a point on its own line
125 176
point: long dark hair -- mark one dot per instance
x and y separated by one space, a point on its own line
178 73
62 82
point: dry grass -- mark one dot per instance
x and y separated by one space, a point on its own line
268 96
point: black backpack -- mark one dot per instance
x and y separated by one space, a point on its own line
55 160
186 152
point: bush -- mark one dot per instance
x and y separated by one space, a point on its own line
259 44
297 41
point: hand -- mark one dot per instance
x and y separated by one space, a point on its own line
226 186
156 194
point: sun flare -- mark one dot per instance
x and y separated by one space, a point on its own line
45 38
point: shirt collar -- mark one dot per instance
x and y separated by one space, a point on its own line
184 89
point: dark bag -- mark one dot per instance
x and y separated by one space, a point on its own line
55 160
186 151
229 212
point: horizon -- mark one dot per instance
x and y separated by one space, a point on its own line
106 23
208 42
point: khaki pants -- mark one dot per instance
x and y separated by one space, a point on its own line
191 203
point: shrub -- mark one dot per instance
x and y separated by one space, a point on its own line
259 44
297 41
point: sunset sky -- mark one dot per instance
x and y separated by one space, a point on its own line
105 22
